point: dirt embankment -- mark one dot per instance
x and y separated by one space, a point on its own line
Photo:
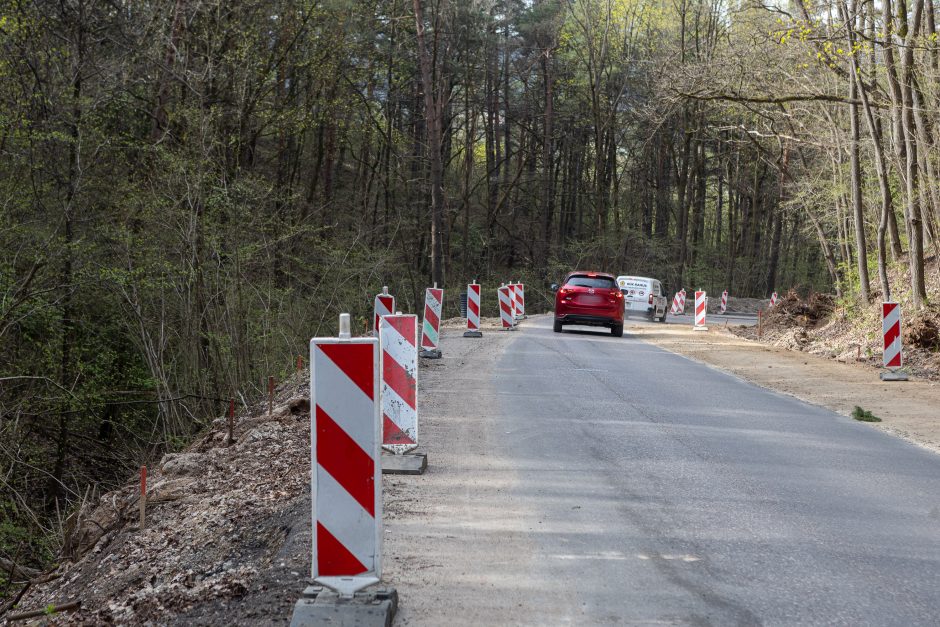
908 409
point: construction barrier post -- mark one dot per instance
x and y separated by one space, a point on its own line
516 291
431 326
345 482
473 311
891 330
773 299
399 343
505 308
760 323
724 302
384 306
701 310
520 292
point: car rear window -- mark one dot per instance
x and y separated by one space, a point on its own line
602 282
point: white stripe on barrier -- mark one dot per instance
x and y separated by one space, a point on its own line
473 307
352 401
355 533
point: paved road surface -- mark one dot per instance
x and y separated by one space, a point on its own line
656 490
731 319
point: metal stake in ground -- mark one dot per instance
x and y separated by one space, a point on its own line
231 421
891 330
430 327
270 395
143 497
473 311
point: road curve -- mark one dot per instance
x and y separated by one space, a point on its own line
655 490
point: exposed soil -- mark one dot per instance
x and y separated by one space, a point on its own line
227 539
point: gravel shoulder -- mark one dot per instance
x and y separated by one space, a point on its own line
908 409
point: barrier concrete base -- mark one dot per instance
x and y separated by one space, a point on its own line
319 606
473 334
408 464
430 354
701 328
893 375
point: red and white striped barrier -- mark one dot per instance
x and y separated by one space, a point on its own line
680 302
724 301
891 330
517 302
773 299
399 339
384 306
346 484
430 327
701 310
473 311
512 300
505 308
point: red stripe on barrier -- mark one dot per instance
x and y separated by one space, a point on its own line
504 306
431 317
397 378
332 557
392 433
340 456
355 360
472 305
893 333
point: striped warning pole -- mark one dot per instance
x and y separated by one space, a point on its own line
505 308
891 330
473 311
346 497
681 310
773 299
517 302
701 310
384 306
430 328
675 305
512 300
724 301
399 339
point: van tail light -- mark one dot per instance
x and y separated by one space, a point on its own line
651 298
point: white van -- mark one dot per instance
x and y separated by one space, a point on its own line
643 296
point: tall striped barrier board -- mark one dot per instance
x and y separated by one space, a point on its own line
345 434
891 333
701 310
431 325
399 338
473 311
505 308
384 306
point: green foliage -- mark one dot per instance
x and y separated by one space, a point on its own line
864 415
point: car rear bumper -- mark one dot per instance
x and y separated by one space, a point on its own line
588 320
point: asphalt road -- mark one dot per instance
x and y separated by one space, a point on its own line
656 490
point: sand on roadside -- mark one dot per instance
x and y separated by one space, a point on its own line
910 409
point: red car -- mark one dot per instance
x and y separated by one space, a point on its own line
589 298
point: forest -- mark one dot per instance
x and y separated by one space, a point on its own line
191 189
